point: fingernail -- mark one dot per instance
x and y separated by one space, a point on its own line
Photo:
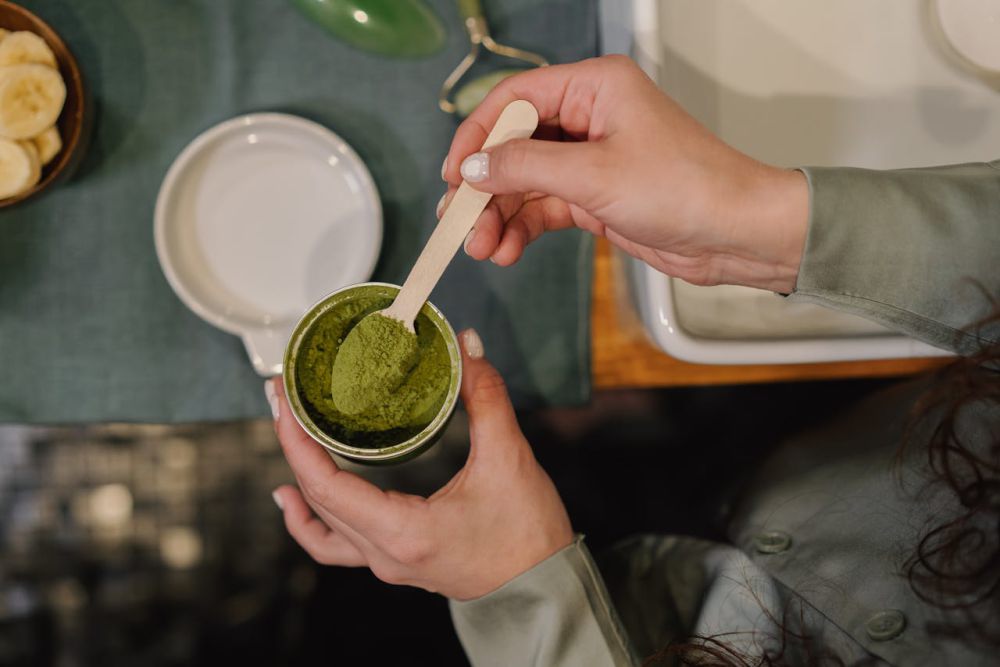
272 398
468 239
494 260
476 167
473 344
277 500
439 209
444 168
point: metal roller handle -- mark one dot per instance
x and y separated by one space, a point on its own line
479 37
475 20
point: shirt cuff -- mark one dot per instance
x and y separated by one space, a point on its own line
915 250
556 613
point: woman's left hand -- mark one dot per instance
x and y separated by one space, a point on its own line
498 517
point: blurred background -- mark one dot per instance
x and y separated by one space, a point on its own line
160 545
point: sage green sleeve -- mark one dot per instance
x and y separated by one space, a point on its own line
917 250
557 613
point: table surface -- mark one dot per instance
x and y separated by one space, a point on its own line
623 356
90 329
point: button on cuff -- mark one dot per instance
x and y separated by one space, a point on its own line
885 625
772 542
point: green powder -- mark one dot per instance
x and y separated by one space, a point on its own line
403 413
371 363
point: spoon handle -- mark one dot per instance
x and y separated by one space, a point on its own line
517 121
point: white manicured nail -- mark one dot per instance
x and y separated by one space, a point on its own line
444 168
439 209
473 344
476 167
272 398
277 500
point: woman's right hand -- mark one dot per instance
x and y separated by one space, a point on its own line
618 158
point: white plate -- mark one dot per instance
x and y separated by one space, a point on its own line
260 217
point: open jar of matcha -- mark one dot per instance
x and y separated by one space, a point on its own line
412 417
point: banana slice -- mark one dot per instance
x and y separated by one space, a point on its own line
19 167
48 143
19 48
31 99
36 162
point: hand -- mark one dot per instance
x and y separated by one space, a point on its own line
499 516
623 160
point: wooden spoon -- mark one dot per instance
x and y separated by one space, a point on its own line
517 121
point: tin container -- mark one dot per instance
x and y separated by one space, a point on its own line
412 441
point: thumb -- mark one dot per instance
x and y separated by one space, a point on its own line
492 422
572 171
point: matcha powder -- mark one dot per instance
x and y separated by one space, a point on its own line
371 363
421 375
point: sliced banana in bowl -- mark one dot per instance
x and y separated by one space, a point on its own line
43 125
48 143
20 167
31 99
21 47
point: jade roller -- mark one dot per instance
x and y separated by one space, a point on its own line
399 28
468 97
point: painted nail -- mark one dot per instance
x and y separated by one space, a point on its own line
476 167
272 398
444 168
468 239
277 500
439 209
473 344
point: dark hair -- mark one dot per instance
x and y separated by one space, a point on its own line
956 563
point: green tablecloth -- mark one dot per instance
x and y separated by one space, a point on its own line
89 328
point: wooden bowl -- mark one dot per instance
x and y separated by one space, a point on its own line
71 120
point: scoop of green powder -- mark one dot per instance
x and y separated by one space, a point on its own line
371 363
407 411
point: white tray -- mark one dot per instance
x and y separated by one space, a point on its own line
853 82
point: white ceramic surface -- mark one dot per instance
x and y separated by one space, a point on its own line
258 218
852 82
972 27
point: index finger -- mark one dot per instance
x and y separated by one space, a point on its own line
550 89
352 499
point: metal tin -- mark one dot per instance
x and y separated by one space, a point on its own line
395 453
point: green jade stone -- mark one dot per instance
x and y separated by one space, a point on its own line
404 412
399 28
472 93
371 363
